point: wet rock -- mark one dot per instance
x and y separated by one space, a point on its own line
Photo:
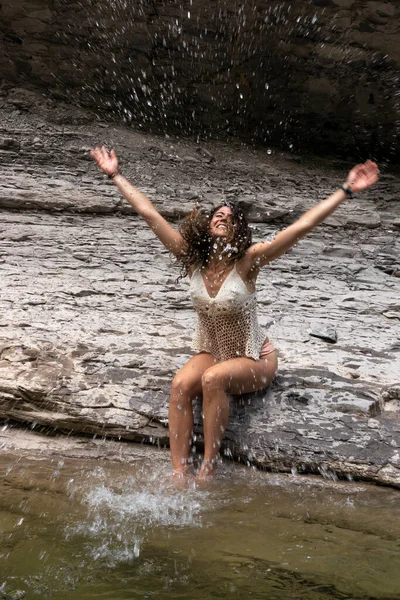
94 323
12 595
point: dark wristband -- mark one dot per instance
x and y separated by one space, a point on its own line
347 191
112 175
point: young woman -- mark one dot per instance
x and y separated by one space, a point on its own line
216 252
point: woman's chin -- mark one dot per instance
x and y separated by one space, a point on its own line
219 235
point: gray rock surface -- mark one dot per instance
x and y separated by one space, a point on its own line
94 324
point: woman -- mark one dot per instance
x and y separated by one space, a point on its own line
233 356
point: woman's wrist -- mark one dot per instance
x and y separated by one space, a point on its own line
347 188
114 174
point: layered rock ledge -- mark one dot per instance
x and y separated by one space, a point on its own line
94 323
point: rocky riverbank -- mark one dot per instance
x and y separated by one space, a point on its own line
94 322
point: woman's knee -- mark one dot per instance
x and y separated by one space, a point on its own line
271 361
183 389
211 380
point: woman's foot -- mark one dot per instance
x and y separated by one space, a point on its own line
178 475
207 471
182 475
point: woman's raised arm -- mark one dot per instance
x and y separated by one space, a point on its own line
360 178
108 163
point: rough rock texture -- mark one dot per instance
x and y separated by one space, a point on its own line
321 74
16 442
94 324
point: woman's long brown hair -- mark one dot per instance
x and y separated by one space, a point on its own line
195 230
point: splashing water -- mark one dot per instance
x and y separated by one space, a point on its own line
121 517
128 531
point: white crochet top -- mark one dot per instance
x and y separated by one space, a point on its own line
227 325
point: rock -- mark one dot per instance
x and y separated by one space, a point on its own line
206 153
323 2
13 595
396 223
345 4
381 9
327 333
391 398
22 98
9 144
94 323
370 220
310 89
393 392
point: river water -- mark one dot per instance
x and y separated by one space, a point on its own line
82 529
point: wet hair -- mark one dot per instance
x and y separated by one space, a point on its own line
195 230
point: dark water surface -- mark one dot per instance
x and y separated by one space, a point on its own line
72 529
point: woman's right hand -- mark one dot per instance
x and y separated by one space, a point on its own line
107 162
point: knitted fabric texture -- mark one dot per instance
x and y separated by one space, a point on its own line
227 325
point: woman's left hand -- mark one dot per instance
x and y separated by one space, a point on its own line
362 176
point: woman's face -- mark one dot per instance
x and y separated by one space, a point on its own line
219 221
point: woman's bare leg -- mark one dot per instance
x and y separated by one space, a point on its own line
185 387
236 376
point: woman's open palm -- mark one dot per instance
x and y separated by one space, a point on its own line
363 176
107 162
